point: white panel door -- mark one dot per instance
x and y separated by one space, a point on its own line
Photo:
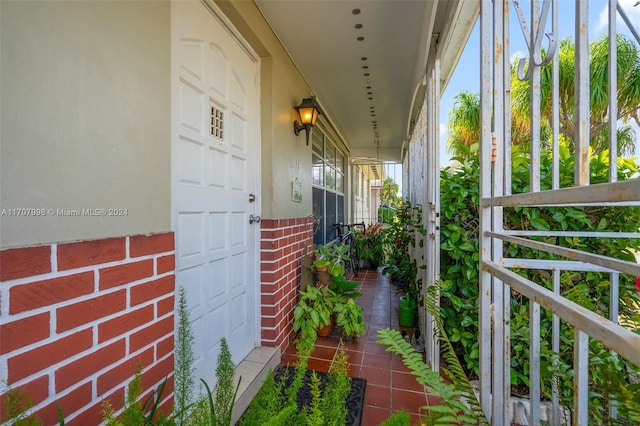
215 148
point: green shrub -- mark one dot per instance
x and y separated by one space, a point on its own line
460 261
404 233
276 402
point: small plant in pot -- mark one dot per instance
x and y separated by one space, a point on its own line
350 317
314 310
340 256
345 288
330 259
371 246
323 256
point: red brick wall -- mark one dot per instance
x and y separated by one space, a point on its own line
283 244
76 320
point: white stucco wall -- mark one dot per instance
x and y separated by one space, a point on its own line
285 156
85 120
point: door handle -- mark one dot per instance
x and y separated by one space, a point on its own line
253 218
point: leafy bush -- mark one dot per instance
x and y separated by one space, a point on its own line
371 245
404 233
460 261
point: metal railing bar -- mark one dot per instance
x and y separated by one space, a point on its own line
614 296
534 363
486 368
555 347
597 259
555 106
615 337
613 88
581 90
506 367
561 265
534 98
580 234
614 311
581 378
624 193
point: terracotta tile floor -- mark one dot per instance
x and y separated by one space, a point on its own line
390 386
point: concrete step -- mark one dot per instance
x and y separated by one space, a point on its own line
253 370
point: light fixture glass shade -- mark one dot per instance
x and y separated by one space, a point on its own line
308 111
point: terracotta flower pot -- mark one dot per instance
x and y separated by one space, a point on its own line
326 330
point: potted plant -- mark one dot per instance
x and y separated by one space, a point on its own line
323 256
314 310
349 317
329 262
404 233
345 288
339 255
371 246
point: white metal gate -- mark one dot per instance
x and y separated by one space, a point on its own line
498 281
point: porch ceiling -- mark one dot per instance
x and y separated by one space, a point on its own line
370 89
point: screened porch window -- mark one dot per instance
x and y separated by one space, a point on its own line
328 186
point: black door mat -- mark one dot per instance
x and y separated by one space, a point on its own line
355 399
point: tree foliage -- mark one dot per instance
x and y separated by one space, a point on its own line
464 118
628 98
389 193
464 121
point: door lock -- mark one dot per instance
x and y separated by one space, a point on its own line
252 198
253 218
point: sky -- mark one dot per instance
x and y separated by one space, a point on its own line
467 73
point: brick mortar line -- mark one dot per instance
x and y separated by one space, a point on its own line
93 325
81 269
96 293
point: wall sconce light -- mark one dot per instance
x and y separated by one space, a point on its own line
308 111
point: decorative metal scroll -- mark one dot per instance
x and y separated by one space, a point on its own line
534 46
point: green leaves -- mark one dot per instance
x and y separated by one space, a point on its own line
460 261
452 410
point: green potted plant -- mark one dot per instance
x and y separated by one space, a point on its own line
314 310
371 246
349 317
344 287
404 233
323 256
330 259
340 255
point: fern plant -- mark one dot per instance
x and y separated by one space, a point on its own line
459 403
16 405
184 371
276 404
337 390
135 411
399 418
277 400
221 405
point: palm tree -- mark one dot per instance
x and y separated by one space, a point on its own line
389 193
628 63
464 121
464 118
